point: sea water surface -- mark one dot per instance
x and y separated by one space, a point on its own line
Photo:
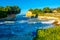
21 28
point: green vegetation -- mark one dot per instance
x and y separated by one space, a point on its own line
44 10
48 34
58 9
47 10
35 11
8 10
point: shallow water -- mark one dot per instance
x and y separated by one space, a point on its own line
22 28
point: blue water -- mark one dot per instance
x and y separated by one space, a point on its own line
21 28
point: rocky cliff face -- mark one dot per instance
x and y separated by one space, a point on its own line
29 14
11 16
8 18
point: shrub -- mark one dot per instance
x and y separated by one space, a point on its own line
48 34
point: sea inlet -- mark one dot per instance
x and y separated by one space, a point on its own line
21 28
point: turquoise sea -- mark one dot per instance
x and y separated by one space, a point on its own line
21 28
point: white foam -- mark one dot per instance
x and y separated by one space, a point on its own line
32 22
1 22
9 22
46 27
22 21
48 22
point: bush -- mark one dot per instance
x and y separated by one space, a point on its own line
8 10
48 34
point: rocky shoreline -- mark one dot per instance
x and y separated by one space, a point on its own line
8 18
56 20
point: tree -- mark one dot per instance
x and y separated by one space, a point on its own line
37 11
30 10
58 9
40 11
16 9
47 10
8 10
2 14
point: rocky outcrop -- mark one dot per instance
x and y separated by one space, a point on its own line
29 14
47 18
8 18
56 23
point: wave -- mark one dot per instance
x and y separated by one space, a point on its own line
48 22
9 22
32 22
1 22
47 26
22 21
27 21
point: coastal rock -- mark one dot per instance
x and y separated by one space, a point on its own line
8 18
46 18
29 14
56 23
